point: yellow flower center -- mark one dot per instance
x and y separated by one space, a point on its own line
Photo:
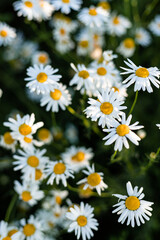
56 95
12 232
94 179
83 74
28 4
115 89
122 130
38 174
59 168
62 31
27 140
42 58
42 77
85 193
142 72
8 138
29 230
78 157
6 238
58 200
25 129
33 161
3 33
82 221
26 196
101 71
104 5
65 1
106 108
129 43
115 20
132 203
92 12
84 43
43 134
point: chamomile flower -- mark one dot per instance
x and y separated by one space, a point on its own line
77 157
28 143
132 207
106 108
59 215
40 57
109 56
46 9
61 31
29 161
93 16
58 196
82 221
141 77
23 127
49 221
45 135
64 45
154 26
104 5
94 180
32 229
42 78
120 132
57 171
117 25
142 37
120 88
7 142
65 6
5 232
84 46
7 34
28 192
126 47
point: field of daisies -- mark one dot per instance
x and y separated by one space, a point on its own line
79 119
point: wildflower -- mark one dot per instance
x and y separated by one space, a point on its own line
142 37
7 142
126 47
45 135
58 196
40 57
132 207
6 233
154 26
64 45
7 34
65 6
45 10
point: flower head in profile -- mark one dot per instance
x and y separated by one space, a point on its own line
82 221
140 76
65 6
132 207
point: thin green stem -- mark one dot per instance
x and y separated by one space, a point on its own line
134 103
158 151
113 156
149 8
53 119
10 207
135 9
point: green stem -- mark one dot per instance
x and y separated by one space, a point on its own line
136 16
73 112
149 9
158 151
113 156
10 208
134 103
53 119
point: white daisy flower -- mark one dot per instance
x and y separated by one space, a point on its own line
44 135
29 161
84 46
117 25
58 97
61 31
94 180
104 5
58 196
93 16
140 76
23 127
77 157
7 142
109 56
64 45
13 230
40 57
29 9
28 192
120 88
132 207
120 132
142 37
158 125
41 78
49 221
126 47
32 229
82 221
7 34
154 26
106 108
57 171
28 143
59 214
46 10
6 233
141 133
65 6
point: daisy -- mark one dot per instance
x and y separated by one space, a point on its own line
58 97
84 193
109 56
64 45
120 132
82 79
46 10
29 161
141 76
141 133
158 125
5 232
84 46
40 57
59 215
58 196
42 78
28 192
94 180
132 207
104 5
32 229
23 127
65 6
77 157
61 31
7 34
142 37
120 88
117 25
126 47
154 26
7 142
106 108
93 16
28 143
45 135
57 171
82 221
